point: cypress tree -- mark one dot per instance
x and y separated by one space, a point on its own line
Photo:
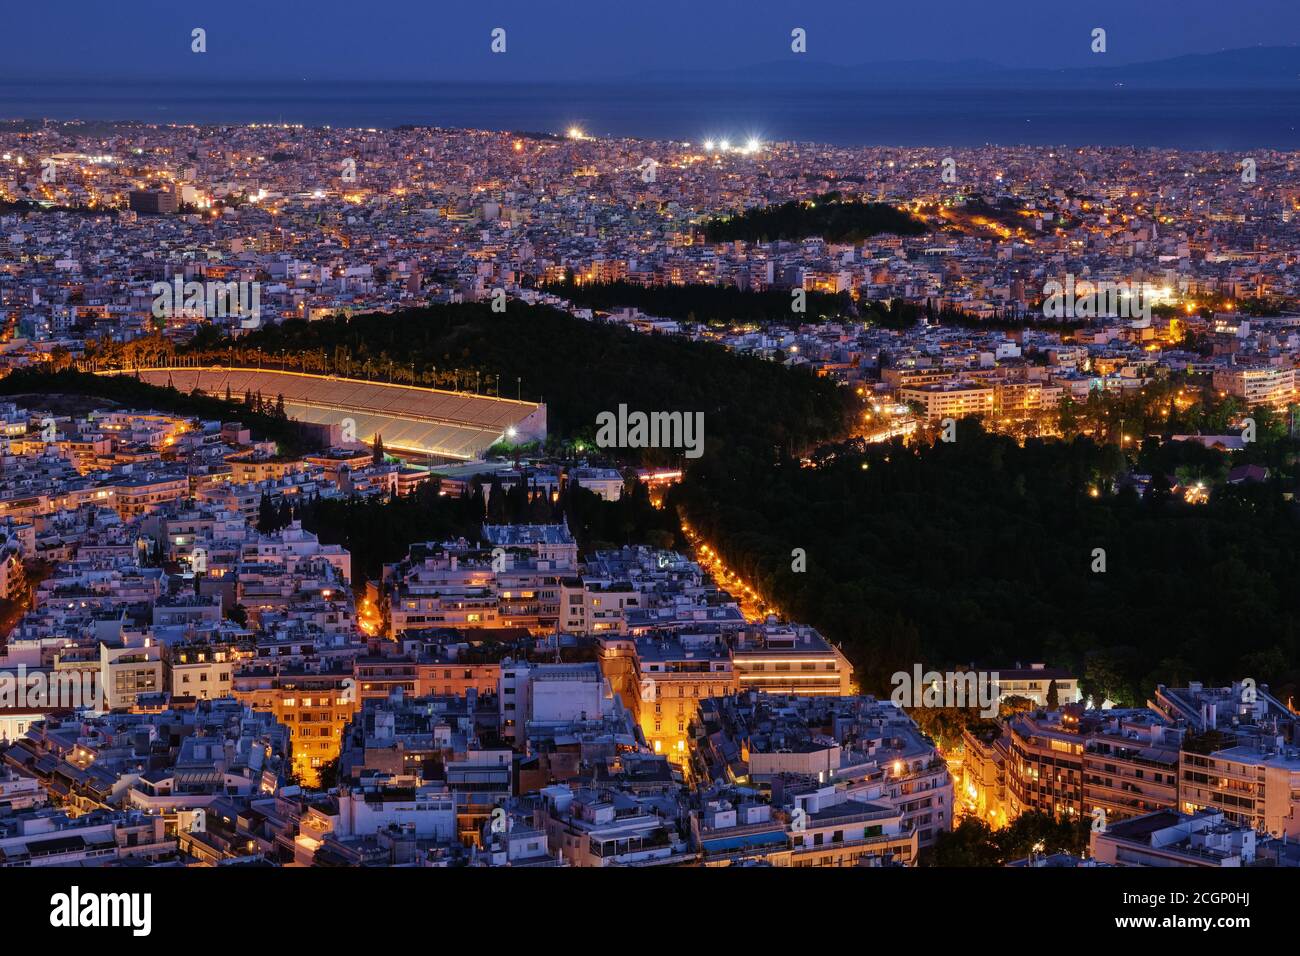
266 514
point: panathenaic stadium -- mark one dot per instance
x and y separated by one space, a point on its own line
417 421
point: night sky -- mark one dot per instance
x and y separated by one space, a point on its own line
570 39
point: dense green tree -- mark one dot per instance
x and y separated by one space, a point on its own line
267 515
974 843
697 302
970 843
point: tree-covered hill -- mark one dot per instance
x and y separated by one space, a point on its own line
579 368
832 216
704 303
983 551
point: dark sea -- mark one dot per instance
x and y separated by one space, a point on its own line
1221 120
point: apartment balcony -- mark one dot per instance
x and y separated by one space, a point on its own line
626 850
870 841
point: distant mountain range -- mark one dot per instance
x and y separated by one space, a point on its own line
1249 68
1259 68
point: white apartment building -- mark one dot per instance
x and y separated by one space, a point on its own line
1259 385
950 399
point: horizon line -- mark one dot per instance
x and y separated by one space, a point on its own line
651 74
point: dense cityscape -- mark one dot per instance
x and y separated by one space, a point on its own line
508 699
432 496
327 222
